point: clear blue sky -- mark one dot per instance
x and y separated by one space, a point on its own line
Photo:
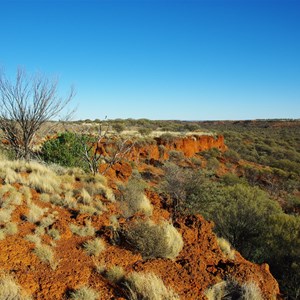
156 59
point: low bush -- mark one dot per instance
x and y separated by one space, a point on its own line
154 240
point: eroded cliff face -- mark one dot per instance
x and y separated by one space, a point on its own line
188 145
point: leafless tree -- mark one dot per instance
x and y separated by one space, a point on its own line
94 152
25 105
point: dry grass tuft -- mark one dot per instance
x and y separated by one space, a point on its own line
85 197
10 290
84 293
45 254
154 240
231 289
251 291
5 214
147 286
37 181
226 248
87 230
35 213
54 233
115 274
11 228
94 247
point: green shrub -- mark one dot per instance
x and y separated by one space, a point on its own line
66 150
175 155
242 215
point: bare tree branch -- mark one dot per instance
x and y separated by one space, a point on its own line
25 105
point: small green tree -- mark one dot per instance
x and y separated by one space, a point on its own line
65 150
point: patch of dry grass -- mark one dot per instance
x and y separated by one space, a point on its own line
45 254
84 293
155 240
35 213
11 290
226 247
147 286
87 230
94 247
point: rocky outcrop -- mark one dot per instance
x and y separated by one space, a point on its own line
188 145
202 264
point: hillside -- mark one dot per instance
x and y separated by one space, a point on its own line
63 229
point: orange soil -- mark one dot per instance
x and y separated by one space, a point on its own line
199 265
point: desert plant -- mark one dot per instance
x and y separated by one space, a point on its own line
94 247
45 197
35 213
36 180
56 199
87 230
33 238
88 209
84 197
84 293
147 286
226 247
114 274
231 289
25 106
216 292
2 234
5 214
45 254
12 177
154 240
251 291
11 228
54 233
26 192
175 155
47 221
10 289
134 199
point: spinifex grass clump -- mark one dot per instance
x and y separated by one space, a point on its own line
154 240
